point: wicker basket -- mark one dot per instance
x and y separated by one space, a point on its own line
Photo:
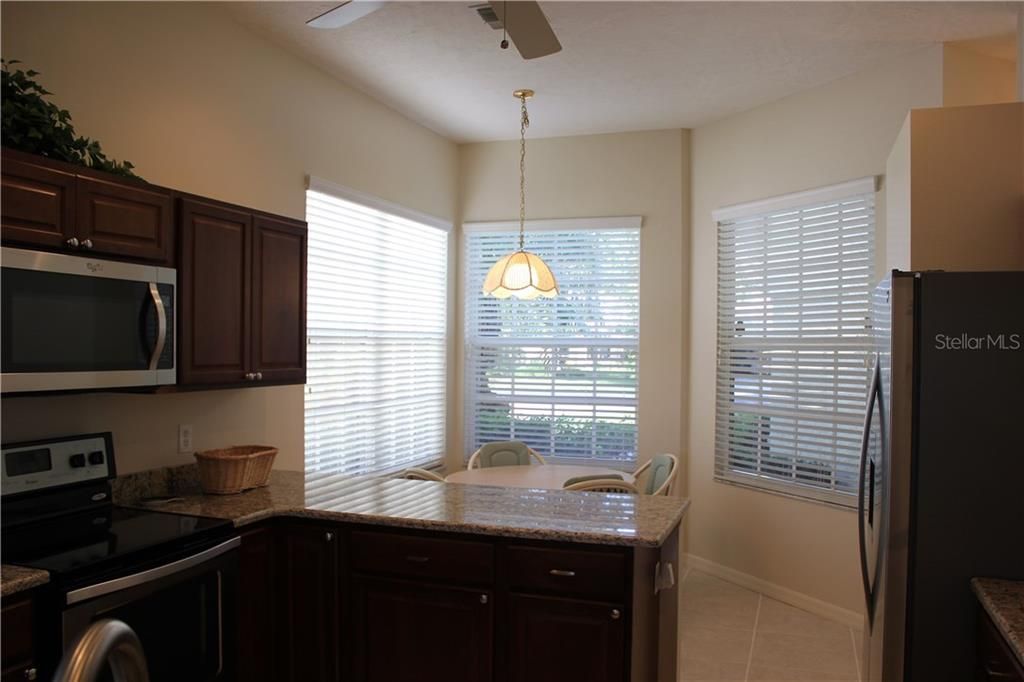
232 470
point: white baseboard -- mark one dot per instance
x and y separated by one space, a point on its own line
800 600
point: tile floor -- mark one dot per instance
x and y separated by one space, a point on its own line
728 632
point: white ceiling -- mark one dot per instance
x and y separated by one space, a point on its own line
624 65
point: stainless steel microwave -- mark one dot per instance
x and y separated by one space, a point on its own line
78 323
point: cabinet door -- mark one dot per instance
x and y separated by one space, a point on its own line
279 300
259 590
311 614
37 206
16 629
554 640
407 631
214 294
126 220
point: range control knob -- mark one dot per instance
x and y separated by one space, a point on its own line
77 461
96 457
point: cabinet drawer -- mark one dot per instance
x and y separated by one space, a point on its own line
567 571
422 557
16 624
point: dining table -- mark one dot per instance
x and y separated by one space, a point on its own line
546 476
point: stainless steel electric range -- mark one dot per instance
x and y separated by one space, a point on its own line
170 577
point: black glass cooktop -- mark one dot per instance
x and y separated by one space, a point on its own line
107 541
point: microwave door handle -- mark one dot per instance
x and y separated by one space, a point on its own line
161 326
862 541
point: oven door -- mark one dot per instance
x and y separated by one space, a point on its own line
183 613
76 323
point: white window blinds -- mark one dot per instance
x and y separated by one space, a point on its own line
559 374
795 276
375 391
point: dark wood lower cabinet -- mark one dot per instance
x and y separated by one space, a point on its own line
551 639
995 661
258 608
17 632
312 618
327 602
405 631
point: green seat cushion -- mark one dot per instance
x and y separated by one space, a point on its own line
504 453
590 477
658 473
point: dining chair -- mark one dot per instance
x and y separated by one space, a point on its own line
417 474
590 477
661 474
603 485
503 453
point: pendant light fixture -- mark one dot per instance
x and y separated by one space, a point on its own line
521 274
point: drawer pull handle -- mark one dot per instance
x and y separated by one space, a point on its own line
561 573
417 559
616 614
483 599
329 536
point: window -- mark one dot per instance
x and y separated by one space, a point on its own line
377 291
795 275
559 374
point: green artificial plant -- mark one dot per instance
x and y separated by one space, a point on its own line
34 125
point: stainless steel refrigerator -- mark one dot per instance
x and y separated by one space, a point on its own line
942 466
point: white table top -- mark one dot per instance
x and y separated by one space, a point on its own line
546 476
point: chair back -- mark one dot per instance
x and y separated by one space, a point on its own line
603 485
660 474
417 474
503 454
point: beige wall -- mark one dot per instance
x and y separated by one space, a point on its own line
596 176
970 77
836 132
201 104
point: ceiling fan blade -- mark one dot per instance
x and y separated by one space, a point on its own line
344 14
527 27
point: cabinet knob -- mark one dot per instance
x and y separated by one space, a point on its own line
86 243
73 242
328 536
249 376
259 376
31 673
483 599
616 614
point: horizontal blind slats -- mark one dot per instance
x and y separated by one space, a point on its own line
793 339
559 374
377 349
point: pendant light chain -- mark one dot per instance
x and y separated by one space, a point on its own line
524 124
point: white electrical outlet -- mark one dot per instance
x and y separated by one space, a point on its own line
184 438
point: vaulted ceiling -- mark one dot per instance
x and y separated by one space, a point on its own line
624 65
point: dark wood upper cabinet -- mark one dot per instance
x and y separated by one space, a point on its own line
125 220
38 205
214 294
406 631
552 639
312 639
279 300
242 296
56 206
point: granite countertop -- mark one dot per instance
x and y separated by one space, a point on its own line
14 579
1004 602
632 520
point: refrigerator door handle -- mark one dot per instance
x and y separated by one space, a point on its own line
876 381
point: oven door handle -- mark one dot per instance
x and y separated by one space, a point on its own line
151 574
161 326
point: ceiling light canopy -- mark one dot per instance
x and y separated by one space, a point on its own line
521 274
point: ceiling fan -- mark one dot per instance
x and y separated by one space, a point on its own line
522 20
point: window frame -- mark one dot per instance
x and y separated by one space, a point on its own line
510 228
724 471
